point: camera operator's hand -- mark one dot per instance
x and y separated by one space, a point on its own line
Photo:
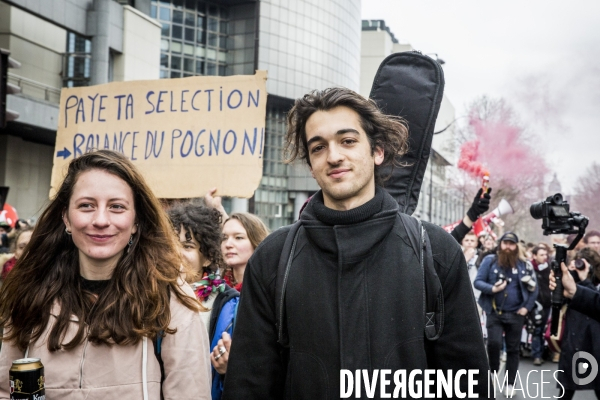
522 311
569 285
480 204
499 286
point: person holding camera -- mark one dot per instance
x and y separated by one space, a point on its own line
580 332
508 293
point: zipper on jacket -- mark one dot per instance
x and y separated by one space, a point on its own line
82 362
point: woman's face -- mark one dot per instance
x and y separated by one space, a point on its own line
236 246
101 218
489 243
21 243
190 251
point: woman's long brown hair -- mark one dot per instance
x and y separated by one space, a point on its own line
136 301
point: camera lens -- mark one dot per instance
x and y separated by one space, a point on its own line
536 210
579 264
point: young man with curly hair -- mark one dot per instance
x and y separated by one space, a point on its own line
354 294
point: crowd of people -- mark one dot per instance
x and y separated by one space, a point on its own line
121 295
511 283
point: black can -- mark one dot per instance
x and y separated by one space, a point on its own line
27 380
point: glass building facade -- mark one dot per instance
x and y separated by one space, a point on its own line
194 37
77 61
304 45
307 45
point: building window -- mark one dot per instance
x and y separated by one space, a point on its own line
271 199
77 61
199 30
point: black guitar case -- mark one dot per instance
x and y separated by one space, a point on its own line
410 85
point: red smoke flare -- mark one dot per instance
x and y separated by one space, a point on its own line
500 145
469 153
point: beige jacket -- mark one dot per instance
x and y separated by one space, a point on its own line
94 372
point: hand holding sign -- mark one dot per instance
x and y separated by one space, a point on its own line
216 202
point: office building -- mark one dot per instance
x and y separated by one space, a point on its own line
304 45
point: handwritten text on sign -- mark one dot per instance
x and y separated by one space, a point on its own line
185 135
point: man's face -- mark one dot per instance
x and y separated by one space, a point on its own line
469 242
593 243
541 256
508 246
341 158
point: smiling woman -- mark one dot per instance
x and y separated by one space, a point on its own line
101 276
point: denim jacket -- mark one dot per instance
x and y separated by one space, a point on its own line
488 276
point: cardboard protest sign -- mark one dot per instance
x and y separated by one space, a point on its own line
185 135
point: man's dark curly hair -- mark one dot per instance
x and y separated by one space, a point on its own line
387 132
205 224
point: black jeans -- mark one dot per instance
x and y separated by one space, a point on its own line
512 325
537 340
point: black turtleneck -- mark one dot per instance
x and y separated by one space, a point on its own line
95 287
356 215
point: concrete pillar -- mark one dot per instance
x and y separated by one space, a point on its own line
239 205
100 41
299 201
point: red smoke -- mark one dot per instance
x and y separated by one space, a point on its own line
469 153
502 148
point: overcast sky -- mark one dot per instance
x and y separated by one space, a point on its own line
543 57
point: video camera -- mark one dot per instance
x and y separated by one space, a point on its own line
558 219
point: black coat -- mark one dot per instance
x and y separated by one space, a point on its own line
354 300
587 301
543 281
582 333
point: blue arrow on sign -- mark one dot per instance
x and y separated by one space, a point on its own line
63 153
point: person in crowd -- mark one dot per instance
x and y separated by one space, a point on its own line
469 246
481 203
242 233
351 301
487 247
199 230
21 241
542 273
581 333
4 239
506 300
98 290
592 240
529 250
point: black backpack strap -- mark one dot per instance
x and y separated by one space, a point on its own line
283 269
433 299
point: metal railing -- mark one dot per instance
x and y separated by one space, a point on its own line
32 88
